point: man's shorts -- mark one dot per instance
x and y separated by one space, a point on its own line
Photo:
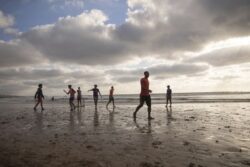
111 98
146 99
71 99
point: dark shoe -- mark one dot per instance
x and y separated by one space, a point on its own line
150 118
43 109
34 108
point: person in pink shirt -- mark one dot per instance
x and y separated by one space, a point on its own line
144 95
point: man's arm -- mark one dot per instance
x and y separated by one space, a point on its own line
99 93
66 91
35 95
42 94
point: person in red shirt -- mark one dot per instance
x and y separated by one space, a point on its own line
144 95
111 97
71 93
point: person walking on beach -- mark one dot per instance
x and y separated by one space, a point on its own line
144 95
111 97
168 96
71 93
96 91
79 97
39 96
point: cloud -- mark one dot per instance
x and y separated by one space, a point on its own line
158 71
6 20
18 53
177 26
152 28
12 31
53 79
84 39
225 56
62 4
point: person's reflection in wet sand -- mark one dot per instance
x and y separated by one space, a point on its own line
39 121
96 118
79 115
111 116
144 129
169 115
72 120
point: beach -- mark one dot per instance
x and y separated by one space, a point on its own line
188 134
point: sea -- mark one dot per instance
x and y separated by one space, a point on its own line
195 97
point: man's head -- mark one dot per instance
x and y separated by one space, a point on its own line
95 86
146 74
69 86
40 85
168 86
112 87
79 88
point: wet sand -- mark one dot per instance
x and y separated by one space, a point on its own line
192 135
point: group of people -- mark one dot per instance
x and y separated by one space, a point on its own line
144 96
71 92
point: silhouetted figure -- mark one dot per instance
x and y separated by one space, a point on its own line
39 96
79 97
96 92
71 93
52 99
111 97
144 95
168 96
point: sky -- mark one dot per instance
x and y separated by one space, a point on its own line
191 45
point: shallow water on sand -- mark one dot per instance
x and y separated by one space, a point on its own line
207 134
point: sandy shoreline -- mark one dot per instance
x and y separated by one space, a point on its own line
214 134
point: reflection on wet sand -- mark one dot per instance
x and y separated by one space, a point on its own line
39 121
79 115
111 115
144 129
72 120
96 118
169 115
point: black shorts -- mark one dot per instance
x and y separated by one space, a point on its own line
111 98
95 97
71 99
146 99
169 98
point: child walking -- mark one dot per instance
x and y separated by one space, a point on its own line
39 96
